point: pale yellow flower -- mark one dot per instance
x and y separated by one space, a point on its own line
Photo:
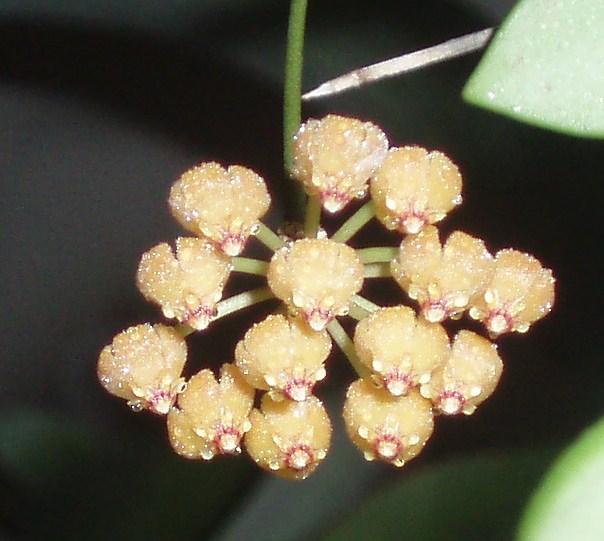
143 365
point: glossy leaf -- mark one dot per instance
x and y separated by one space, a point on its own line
570 502
544 67
474 498
78 485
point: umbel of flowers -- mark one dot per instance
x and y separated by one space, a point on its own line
409 369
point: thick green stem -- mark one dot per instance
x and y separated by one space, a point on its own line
269 238
232 304
292 116
377 270
341 338
312 219
184 330
356 312
377 254
365 304
350 227
250 266
243 300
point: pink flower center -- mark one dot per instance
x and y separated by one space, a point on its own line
499 321
232 244
451 402
412 221
298 389
398 383
435 310
318 318
299 457
200 317
161 401
388 446
333 199
227 440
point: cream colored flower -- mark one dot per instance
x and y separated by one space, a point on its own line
335 156
520 292
445 279
414 188
211 416
223 205
469 376
289 438
400 349
385 427
316 278
283 355
187 285
143 366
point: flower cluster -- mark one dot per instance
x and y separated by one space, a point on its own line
409 369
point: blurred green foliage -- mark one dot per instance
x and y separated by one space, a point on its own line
472 498
69 482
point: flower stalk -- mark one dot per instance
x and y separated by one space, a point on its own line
377 270
292 102
248 265
269 238
312 218
356 222
341 338
365 304
242 300
377 254
230 305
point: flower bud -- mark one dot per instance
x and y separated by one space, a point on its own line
401 350
211 417
385 427
143 365
335 156
469 376
289 438
283 355
316 278
223 205
414 188
444 280
186 286
520 292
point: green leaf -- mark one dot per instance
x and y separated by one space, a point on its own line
546 67
570 502
39 451
474 498
79 485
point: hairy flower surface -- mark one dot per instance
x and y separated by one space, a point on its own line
316 278
211 417
385 427
289 438
409 370
187 285
284 355
221 204
143 365
443 279
335 156
414 187
520 292
469 376
399 348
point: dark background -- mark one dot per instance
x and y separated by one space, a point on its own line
102 106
